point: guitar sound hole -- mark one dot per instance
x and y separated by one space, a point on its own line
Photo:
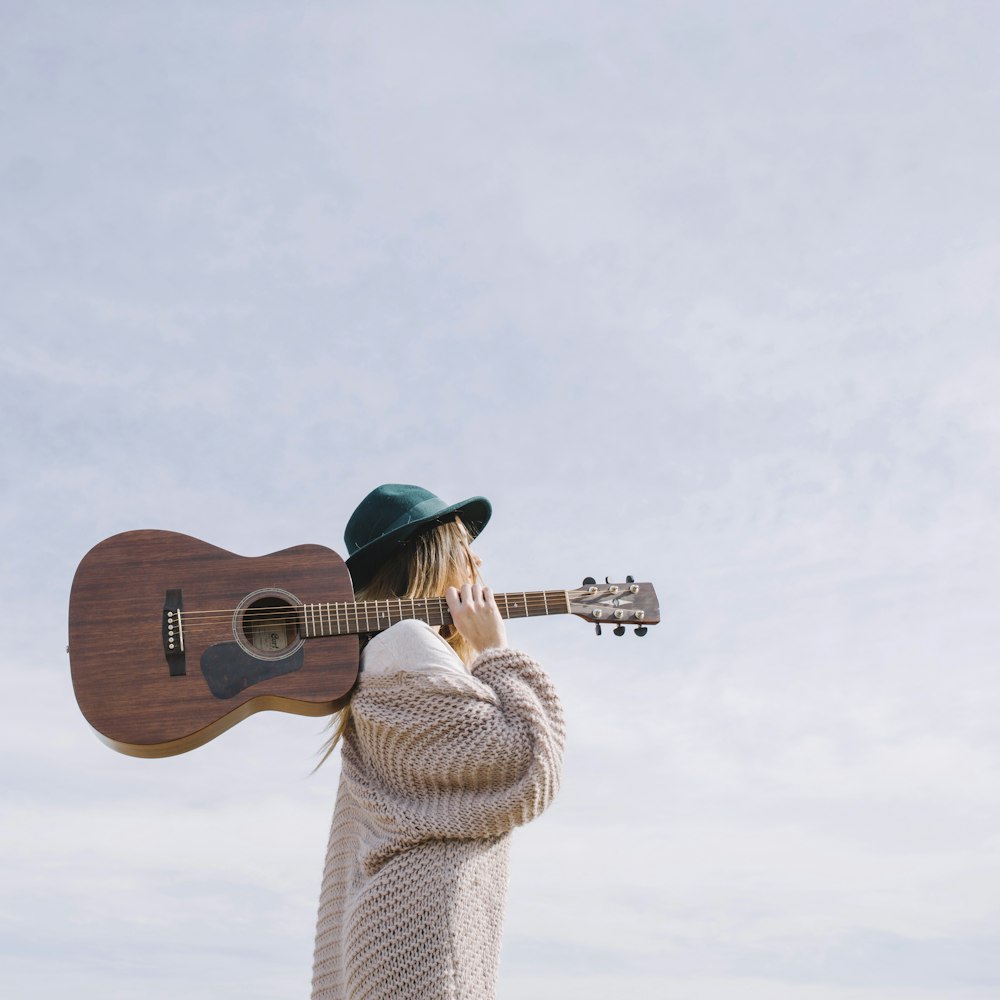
270 625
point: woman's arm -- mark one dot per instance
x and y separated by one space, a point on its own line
469 757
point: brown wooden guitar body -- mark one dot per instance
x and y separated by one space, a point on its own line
134 694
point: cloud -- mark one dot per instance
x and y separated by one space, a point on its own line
707 296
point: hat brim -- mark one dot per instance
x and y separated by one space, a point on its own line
474 512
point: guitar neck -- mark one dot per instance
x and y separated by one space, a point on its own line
366 617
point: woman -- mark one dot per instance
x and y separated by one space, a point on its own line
451 739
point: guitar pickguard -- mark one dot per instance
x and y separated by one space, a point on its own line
229 668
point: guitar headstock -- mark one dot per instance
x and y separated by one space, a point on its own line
617 604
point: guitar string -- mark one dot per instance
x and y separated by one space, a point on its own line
323 621
535 599
295 615
538 598
339 613
334 625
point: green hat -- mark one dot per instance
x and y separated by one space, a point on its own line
394 513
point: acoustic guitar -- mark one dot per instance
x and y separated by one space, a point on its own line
172 641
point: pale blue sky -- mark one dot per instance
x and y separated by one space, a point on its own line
702 292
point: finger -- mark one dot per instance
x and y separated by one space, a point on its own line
451 595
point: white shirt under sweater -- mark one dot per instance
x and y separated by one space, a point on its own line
409 645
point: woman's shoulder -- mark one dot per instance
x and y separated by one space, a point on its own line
409 645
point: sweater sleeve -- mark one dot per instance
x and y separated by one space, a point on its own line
441 757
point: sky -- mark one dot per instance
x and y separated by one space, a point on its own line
705 293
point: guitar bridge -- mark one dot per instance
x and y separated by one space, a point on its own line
173 633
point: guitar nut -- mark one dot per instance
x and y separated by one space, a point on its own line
619 613
640 614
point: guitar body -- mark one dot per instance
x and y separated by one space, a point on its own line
172 641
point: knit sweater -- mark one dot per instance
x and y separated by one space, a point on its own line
438 766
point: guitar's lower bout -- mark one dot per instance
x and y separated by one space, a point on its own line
196 739
122 679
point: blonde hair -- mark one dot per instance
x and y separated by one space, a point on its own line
425 567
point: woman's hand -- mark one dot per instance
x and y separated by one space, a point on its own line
476 616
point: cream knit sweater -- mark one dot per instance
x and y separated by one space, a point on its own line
437 768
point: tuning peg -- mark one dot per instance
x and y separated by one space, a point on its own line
587 580
641 630
620 630
607 579
630 579
597 628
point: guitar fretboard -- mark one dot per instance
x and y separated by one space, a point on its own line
323 619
